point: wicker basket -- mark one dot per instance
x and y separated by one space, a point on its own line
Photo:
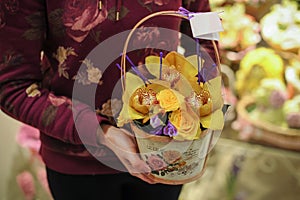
176 162
266 132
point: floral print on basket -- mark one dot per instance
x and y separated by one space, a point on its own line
169 162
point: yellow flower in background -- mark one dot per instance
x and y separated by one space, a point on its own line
280 27
241 30
256 65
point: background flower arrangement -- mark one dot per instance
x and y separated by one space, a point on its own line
280 26
267 79
271 86
241 31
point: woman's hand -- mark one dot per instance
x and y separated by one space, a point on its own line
123 144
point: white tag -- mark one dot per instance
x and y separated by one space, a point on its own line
206 25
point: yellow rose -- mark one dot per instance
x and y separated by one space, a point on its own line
187 124
168 100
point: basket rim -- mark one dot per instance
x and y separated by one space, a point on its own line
184 181
241 109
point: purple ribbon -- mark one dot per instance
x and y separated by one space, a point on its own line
160 64
185 12
136 70
198 60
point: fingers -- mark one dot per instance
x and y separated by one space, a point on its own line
138 165
138 168
142 171
134 164
124 145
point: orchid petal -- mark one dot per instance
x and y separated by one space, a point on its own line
181 64
158 85
214 87
132 83
214 121
153 64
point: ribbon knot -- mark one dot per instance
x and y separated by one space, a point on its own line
185 12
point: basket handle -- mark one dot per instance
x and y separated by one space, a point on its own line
161 13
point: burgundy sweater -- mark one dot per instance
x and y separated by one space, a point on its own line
38 90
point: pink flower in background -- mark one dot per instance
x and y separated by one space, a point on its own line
277 98
81 16
26 183
29 137
229 96
57 101
245 129
293 120
156 163
157 2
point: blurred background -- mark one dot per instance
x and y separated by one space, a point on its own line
257 156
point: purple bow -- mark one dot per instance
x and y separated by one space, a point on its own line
185 12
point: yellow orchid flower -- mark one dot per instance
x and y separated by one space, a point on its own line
132 83
133 106
171 60
211 115
176 69
215 120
